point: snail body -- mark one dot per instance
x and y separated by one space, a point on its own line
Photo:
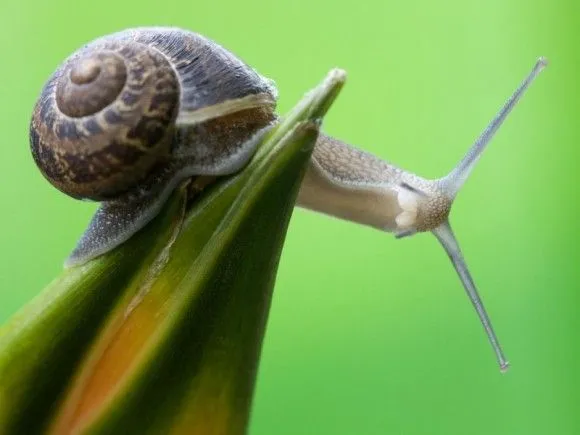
129 116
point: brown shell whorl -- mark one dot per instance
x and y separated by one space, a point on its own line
90 84
105 118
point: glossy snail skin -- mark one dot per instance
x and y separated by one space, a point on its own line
357 186
131 115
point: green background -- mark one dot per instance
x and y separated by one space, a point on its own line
367 334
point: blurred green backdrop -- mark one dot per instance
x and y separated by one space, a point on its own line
369 335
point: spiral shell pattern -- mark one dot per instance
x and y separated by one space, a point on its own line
105 118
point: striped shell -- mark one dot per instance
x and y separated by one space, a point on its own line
127 104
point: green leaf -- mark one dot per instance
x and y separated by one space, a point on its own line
163 335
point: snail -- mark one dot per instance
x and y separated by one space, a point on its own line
131 115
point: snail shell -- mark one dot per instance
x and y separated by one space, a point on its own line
128 116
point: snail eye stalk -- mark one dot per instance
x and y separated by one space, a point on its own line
452 183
